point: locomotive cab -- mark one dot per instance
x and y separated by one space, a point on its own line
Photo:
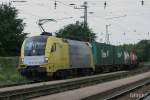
42 55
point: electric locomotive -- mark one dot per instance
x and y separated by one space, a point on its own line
48 56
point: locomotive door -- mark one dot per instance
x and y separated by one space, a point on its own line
55 56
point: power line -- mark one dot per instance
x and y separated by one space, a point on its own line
81 1
116 17
55 4
84 7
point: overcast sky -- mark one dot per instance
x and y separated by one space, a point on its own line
129 20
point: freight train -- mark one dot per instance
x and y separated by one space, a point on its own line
49 56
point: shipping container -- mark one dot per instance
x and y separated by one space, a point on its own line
102 53
118 55
126 57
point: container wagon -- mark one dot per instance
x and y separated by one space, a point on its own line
110 58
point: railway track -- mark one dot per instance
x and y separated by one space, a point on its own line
117 93
46 88
146 97
16 84
103 91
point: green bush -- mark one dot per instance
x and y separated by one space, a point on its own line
8 69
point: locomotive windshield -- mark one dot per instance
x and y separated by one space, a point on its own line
35 46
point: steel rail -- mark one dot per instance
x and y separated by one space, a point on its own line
17 84
144 97
115 93
131 88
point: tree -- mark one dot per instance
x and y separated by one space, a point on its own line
143 49
11 28
76 31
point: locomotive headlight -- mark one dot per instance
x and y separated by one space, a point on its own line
46 60
21 60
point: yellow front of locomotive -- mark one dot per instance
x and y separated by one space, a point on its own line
41 56
33 59
36 60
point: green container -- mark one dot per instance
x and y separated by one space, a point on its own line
102 53
119 55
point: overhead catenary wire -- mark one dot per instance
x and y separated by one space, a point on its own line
94 5
64 3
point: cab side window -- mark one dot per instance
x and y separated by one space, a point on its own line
53 49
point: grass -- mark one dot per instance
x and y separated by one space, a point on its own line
8 70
